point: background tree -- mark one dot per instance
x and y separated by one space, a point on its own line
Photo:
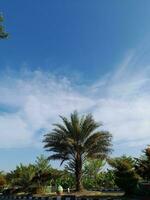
3 181
92 173
125 176
106 179
76 140
22 176
42 176
33 177
42 164
66 180
3 34
142 165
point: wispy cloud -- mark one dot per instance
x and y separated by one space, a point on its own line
32 101
125 107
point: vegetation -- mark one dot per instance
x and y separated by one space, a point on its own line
66 180
34 178
143 165
85 150
2 180
126 177
22 176
3 34
76 140
93 175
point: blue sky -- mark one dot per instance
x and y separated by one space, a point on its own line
93 56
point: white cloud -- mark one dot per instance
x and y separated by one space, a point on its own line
14 131
33 103
125 107
35 99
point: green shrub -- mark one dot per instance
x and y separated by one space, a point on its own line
126 177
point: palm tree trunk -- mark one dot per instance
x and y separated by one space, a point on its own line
79 186
78 174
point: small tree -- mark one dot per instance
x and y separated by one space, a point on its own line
142 165
3 34
3 181
22 176
42 164
65 179
106 179
42 175
125 176
92 172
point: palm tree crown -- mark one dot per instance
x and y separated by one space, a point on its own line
76 140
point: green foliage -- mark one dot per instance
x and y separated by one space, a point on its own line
91 173
31 176
106 179
42 176
66 180
22 176
142 165
36 177
93 167
94 178
125 176
76 140
42 164
3 34
3 181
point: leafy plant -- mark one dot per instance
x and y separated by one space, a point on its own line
126 177
142 165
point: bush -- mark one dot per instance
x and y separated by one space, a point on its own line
126 177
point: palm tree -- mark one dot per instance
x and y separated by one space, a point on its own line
76 140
